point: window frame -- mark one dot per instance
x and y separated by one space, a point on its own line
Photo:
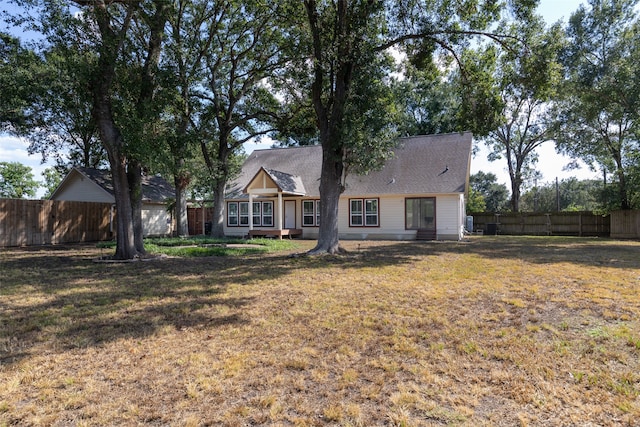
235 215
315 215
362 214
406 222
241 215
267 215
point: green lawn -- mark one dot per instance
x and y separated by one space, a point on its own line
491 331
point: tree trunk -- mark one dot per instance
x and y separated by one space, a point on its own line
330 190
112 140
182 220
134 177
217 226
219 168
125 243
110 134
515 196
625 204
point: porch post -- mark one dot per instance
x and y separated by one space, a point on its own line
250 212
280 218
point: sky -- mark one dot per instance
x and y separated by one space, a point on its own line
551 164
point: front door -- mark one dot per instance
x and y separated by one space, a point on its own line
289 214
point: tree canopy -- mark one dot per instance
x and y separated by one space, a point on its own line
21 71
598 115
526 79
17 181
179 87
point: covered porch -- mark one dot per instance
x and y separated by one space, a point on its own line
289 232
269 183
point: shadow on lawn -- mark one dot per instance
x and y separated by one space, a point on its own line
541 250
594 252
69 302
63 300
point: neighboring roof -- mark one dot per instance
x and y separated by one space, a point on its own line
433 164
154 188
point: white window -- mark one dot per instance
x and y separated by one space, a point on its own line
238 214
232 214
371 212
311 213
244 213
257 216
363 212
267 214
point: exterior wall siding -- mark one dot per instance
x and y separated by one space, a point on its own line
391 211
156 220
84 190
449 219
391 220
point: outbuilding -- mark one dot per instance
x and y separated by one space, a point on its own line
95 185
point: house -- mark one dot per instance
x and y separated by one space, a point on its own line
418 194
94 185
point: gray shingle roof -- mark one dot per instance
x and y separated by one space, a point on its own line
433 164
289 184
154 188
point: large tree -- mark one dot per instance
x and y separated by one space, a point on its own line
348 40
344 45
21 71
113 22
16 181
526 80
117 46
599 114
494 194
245 57
181 74
222 63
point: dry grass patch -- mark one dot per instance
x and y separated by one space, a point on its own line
491 331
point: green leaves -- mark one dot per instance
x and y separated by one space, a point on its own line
598 116
16 181
20 72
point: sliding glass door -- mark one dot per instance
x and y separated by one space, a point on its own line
420 213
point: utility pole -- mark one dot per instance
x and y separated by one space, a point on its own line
557 195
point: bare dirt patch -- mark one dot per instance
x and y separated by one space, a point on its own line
491 331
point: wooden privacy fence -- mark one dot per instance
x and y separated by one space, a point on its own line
543 224
199 220
42 222
625 224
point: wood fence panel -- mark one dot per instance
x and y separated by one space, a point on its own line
42 222
196 220
544 224
625 224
